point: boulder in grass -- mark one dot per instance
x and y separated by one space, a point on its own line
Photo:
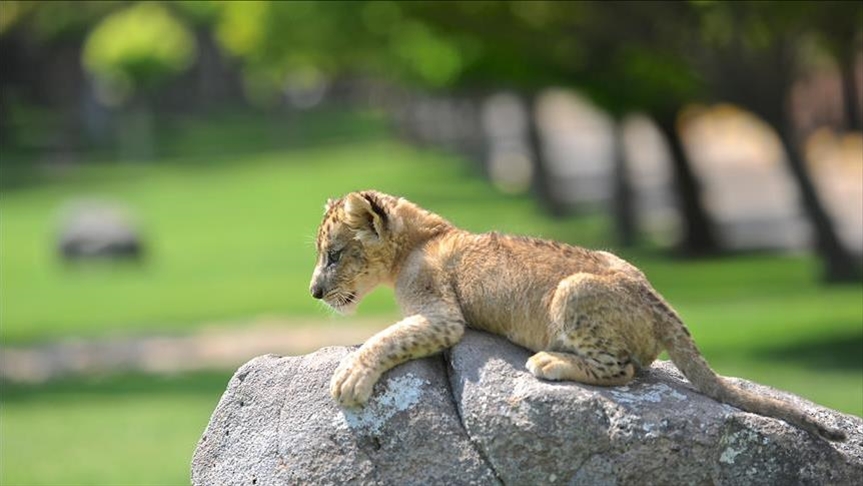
98 230
475 415
276 424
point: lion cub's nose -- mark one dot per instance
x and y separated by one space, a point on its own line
317 291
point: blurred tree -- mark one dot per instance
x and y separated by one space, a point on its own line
129 54
750 54
213 81
136 49
658 56
624 55
839 24
40 44
648 56
53 21
640 64
301 44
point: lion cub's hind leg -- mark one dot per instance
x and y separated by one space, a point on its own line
590 317
552 365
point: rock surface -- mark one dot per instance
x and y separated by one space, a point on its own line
476 416
276 424
94 230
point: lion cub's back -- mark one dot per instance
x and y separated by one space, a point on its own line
504 284
519 263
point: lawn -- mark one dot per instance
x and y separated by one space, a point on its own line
240 227
230 221
120 430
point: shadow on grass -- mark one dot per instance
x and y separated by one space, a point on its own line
834 352
199 383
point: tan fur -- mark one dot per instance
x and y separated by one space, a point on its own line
589 315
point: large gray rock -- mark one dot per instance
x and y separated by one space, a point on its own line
276 424
98 230
658 430
476 416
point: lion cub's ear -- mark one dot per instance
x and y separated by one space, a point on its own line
364 214
329 205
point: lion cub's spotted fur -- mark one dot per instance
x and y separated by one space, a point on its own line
589 315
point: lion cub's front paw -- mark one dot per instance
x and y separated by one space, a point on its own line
352 382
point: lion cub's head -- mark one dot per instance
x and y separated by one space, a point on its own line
355 249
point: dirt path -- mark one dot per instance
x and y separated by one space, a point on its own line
224 346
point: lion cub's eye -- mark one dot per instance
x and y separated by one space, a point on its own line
333 256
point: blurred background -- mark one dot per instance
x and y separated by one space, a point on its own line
164 165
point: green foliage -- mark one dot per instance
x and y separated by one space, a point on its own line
627 55
53 20
327 39
277 39
433 59
138 47
241 28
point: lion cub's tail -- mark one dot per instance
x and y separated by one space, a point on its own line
674 336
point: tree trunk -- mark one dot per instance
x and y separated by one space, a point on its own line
136 129
541 183
765 89
699 234
839 264
472 143
624 213
850 96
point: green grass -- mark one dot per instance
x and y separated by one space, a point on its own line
114 431
225 239
805 342
766 318
230 228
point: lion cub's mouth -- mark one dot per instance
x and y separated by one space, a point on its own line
339 300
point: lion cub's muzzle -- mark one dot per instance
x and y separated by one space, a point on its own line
317 287
317 291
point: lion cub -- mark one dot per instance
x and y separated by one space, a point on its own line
590 316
